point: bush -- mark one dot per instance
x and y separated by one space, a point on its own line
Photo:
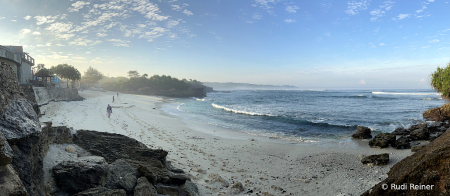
440 81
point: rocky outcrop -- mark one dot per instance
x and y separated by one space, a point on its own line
102 191
428 166
10 183
383 140
380 159
362 133
6 153
121 175
144 188
403 143
433 114
420 134
81 174
400 131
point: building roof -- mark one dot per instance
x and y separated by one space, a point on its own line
16 49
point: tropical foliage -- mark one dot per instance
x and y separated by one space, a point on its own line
155 83
66 71
440 81
91 76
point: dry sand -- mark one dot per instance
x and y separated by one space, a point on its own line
205 151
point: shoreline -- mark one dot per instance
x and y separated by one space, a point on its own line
263 165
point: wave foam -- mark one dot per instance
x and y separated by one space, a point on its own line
390 93
238 111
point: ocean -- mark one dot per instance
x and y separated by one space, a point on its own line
308 115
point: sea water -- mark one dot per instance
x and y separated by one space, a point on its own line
308 115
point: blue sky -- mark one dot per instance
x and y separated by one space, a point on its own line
309 44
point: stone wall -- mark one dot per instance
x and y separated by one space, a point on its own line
44 95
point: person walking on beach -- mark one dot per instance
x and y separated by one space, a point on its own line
108 111
117 94
113 99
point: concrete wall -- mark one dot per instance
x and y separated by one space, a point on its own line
25 73
46 94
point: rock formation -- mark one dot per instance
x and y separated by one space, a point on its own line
428 166
362 133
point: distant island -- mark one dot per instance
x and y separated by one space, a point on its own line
245 86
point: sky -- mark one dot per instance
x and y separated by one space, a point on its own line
327 44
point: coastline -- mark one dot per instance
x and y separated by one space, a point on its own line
202 150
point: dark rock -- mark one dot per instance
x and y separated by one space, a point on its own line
429 166
121 175
433 137
379 142
419 134
237 188
10 183
168 190
380 159
144 171
59 134
400 131
81 173
19 120
102 191
417 148
418 126
362 133
403 143
144 188
445 110
190 189
433 114
6 153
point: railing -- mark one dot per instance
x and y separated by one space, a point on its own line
28 58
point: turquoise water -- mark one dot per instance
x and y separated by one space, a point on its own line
312 115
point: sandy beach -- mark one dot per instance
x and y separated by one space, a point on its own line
263 166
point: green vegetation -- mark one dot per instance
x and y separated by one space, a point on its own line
440 81
67 72
155 85
92 76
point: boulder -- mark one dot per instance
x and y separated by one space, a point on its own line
70 148
378 142
418 126
6 153
362 133
60 134
429 166
445 110
403 143
121 175
419 134
417 148
102 191
167 190
144 188
10 183
400 131
433 114
81 173
380 159
190 189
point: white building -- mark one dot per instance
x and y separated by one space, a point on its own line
20 61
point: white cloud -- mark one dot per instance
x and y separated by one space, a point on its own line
434 41
422 80
155 33
65 36
257 16
88 52
36 33
176 7
289 20
401 16
77 6
46 45
59 27
2 17
119 42
188 13
292 8
82 41
45 19
24 32
14 20
60 45
355 6
328 34
431 0
426 46
102 34
382 44
381 11
172 23
362 81
265 4
27 17
421 10
149 10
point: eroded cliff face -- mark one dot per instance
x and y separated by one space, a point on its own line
25 143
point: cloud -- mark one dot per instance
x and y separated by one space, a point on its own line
119 42
176 7
14 20
155 33
172 23
265 4
355 6
88 52
257 16
59 27
188 13
149 10
24 32
292 8
45 19
77 6
433 41
382 44
2 17
46 45
102 34
27 17
288 21
422 80
362 81
36 33
426 46
60 45
82 41
401 16
328 34
421 10
381 11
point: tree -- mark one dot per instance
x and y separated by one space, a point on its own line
133 74
145 75
67 72
92 76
